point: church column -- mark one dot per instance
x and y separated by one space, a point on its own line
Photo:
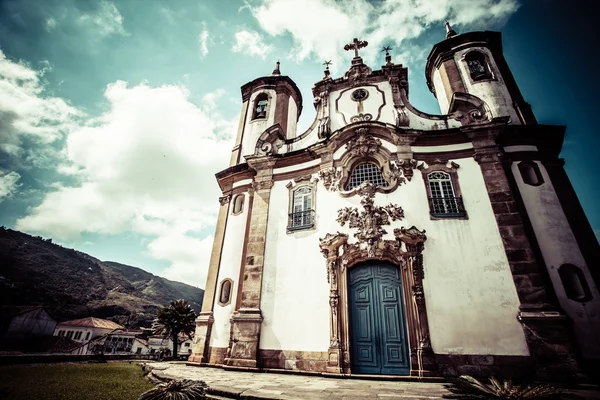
205 319
247 320
545 328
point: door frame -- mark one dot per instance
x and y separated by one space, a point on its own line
406 254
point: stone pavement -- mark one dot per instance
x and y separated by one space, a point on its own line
263 385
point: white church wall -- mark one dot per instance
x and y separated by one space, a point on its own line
231 258
254 128
440 92
295 292
292 119
472 302
471 298
559 246
493 92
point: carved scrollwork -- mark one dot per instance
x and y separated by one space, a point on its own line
262 185
407 167
361 117
369 222
401 116
364 144
324 129
224 199
331 178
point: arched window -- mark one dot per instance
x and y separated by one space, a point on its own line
366 171
238 204
225 292
443 200
574 282
477 66
302 215
260 106
530 172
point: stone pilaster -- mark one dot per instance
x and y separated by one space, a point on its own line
545 328
205 319
247 320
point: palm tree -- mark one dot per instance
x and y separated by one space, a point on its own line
177 318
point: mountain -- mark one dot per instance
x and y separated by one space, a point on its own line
71 284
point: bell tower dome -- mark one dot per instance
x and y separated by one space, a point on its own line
473 63
266 102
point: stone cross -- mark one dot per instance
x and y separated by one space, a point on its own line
355 45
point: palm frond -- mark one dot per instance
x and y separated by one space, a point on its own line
177 390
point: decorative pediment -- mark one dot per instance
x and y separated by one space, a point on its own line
270 141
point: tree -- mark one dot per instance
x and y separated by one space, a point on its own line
177 318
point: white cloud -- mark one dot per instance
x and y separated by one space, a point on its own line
320 28
203 40
8 183
25 110
51 24
147 165
106 21
251 43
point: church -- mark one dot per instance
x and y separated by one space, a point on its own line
384 240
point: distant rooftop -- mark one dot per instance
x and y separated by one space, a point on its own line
92 322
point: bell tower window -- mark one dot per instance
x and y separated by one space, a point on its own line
366 171
478 68
260 106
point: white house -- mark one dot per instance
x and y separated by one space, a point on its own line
85 330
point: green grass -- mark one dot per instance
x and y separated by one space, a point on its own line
105 381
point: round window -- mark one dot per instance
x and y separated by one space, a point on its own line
359 95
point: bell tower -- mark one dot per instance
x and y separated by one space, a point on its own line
473 63
267 101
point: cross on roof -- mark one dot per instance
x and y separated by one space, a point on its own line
355 45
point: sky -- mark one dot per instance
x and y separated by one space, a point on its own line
115 115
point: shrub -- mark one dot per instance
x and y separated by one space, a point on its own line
469 388
177 390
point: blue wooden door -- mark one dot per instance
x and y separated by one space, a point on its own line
377 320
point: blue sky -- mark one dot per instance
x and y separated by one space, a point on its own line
115 115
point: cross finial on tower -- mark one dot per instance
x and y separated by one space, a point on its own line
355 45
449 31
276 70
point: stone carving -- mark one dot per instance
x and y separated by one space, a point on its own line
370 221
324 129
364 144
224 199
361 117
396 173
331 178
270 141
262 185
401 116
407 167
331 242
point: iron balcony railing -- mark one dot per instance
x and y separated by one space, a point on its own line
301 220
447 207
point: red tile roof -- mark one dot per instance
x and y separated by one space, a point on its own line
91 322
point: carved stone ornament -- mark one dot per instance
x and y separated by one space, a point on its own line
224 199
401 116
270 141
361 117
262 185
331 178
407 167
331 243
364 144
324 129
370 221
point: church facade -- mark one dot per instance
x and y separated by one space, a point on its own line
387 241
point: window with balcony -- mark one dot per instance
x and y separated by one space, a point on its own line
302 214
443 200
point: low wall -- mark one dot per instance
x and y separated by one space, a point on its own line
9 359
